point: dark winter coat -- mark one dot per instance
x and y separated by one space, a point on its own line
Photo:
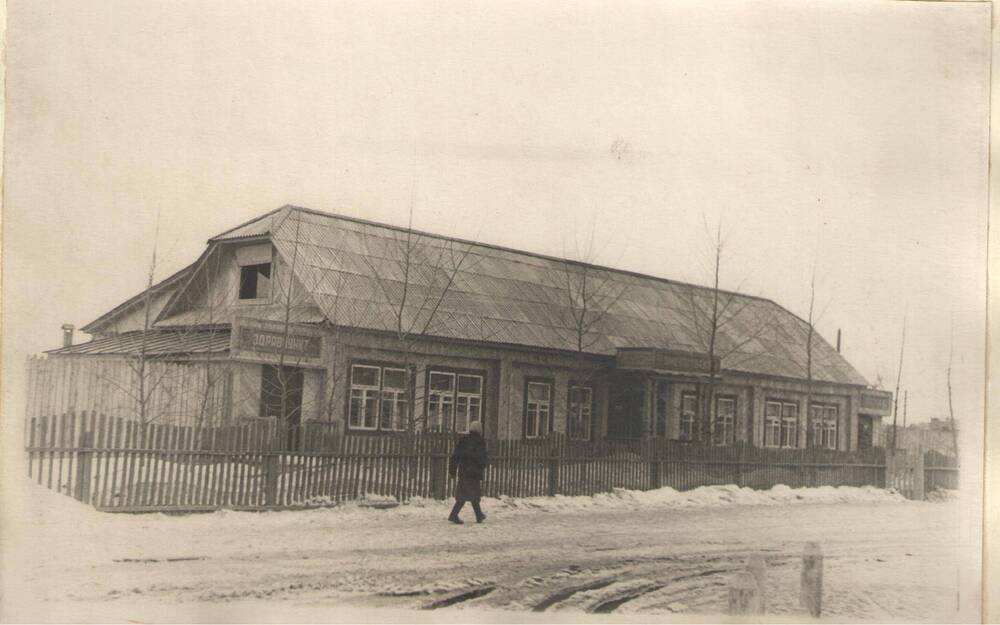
469 459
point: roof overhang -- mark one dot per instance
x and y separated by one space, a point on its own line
154 343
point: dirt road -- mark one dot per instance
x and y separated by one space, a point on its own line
886 562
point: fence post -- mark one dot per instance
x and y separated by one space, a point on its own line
757 567
742 591
553 475
811 594
654 474
438 475
918 482
83 468
738 467
270 479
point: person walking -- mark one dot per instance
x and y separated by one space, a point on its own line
468 462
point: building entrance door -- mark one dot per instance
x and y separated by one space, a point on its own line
866 432
625 411
281 398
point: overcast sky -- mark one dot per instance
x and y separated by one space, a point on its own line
847 136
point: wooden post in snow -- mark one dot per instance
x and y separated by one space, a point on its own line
742 592
811 594
438 475
271 479
553 485
83 467
757 567
654 475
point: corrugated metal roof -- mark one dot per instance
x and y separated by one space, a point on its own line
157 343
511 297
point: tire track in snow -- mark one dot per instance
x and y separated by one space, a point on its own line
468 595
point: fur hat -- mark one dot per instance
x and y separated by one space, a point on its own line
476 426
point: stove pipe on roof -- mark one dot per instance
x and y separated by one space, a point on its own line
67 329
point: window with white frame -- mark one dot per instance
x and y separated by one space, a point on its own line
781 421
378 399
824 424
366 383
689 416
468 401
453 400
394 399
789 424
580 412
537 409
440 400
724 430
772 424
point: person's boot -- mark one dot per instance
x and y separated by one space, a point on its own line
480 517
453 517
456 520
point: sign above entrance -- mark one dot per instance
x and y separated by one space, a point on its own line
663 360
271 342
877 402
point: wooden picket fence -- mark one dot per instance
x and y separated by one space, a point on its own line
940 471
122 465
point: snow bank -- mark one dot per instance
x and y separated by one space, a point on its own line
940 495
52 509
620 499
703 497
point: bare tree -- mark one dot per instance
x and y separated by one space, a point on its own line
284 382
710 318
587 295
811 331
414 274
147 388
141 360
951 408
214 372
812 359
899 377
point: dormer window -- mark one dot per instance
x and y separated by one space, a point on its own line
255 281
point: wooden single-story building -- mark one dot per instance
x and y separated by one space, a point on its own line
308 316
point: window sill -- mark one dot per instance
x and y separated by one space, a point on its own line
260 301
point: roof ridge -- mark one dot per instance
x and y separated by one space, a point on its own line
249 221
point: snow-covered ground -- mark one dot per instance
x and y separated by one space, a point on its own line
662 554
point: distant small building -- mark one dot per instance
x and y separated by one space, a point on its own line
303 316
935 435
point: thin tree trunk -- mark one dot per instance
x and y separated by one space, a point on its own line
895 397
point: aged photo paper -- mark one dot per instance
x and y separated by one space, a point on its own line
495 312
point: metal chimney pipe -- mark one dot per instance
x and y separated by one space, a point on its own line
67 329
838 340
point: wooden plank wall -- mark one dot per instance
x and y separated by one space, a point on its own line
109 386
120 464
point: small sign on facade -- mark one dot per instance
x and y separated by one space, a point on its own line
271 342
879 402
667 360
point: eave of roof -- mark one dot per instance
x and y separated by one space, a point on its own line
135 300
155 343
